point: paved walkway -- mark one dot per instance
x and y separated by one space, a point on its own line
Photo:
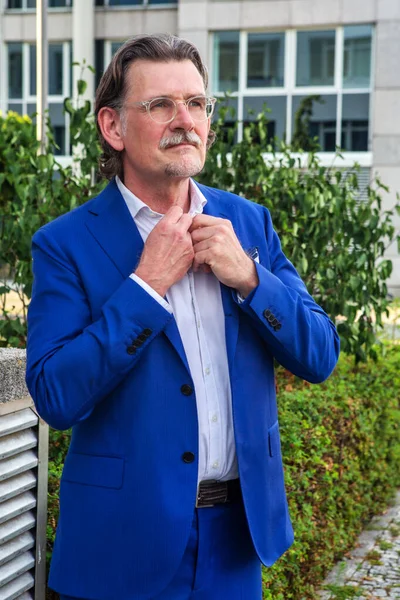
373 570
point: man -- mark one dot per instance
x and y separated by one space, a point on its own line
157 311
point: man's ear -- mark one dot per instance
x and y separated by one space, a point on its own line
111 127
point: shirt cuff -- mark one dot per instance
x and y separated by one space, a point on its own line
152 292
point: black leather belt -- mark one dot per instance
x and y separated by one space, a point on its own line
213 492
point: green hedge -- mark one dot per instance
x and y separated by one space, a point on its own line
340 442
341 448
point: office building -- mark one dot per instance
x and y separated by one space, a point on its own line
260 51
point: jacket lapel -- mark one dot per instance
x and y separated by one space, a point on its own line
112 225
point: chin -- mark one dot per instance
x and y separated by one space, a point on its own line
184 168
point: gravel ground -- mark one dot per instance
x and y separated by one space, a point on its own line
372 571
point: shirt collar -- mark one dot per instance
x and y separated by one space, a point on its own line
197 200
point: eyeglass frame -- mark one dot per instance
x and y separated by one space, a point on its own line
210 100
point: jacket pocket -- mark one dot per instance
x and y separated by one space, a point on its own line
88 469
274 444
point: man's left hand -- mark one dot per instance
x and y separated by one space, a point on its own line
215 245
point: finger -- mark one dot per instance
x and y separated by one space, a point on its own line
201 246
201 258
203 233
173 214
185 221
204 221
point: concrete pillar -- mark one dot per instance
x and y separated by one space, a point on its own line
386 123
83 15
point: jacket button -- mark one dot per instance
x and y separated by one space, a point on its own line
186 389
147 332
136 343
131 349
267 313
274 322
142 338
278 327
188 457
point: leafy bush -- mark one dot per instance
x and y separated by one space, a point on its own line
335 239
35 189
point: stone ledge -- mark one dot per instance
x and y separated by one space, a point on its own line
12 374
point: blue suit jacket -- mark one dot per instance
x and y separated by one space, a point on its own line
127 497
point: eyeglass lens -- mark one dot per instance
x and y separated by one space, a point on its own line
163 110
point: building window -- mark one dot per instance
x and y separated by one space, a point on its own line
315 58
133 2
104 50
265 59
25 4
21 84
326 71
226 61
357 56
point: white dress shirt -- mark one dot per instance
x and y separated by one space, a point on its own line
196 304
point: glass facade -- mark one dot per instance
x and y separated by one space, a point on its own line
357 56
24 4
14 70
265 59
226 61
282 70
315 58
21 83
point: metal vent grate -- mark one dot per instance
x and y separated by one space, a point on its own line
20 453
364 180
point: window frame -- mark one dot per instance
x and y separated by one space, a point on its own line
144 4
291 90
28 9
27 97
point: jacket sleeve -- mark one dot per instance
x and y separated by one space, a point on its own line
297 331
72 362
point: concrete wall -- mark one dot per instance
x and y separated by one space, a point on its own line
386 114
12 375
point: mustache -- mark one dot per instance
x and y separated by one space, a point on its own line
179 138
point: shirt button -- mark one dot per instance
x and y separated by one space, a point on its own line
207 371
215 464
188 457
214 419
186 389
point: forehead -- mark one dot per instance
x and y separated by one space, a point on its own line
148 79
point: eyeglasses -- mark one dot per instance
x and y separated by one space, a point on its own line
164 110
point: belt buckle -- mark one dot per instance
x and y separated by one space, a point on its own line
211 490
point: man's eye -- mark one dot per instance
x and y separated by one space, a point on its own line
197 103
162 103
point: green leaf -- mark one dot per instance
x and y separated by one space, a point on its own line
82 86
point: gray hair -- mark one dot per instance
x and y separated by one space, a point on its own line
113 86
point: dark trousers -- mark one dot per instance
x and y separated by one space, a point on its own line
219 561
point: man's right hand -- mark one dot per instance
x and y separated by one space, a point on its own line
168 251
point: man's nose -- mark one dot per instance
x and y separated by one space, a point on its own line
182 119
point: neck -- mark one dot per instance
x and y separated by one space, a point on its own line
161 195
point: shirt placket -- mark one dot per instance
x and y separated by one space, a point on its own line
214 464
